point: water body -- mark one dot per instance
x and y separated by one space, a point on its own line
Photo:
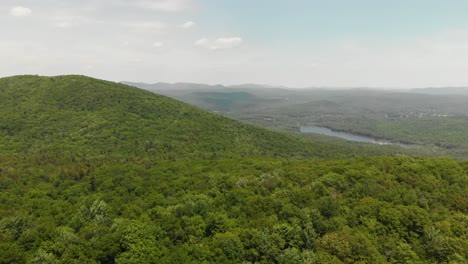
343 135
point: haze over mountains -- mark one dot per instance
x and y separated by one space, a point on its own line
443 90
251 86
431 120
198 86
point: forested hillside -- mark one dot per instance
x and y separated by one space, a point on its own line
435 123
77 115
97 172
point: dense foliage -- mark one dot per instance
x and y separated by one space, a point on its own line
77 115
436 123
395 210
96 172
444 132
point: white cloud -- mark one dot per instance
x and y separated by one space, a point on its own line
220 43
19 11
202 42
165 5
63 24
188 25
228 43
147 26
72 21
158 44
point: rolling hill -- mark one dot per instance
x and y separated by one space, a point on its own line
78 115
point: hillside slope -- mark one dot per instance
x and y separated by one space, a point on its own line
77 115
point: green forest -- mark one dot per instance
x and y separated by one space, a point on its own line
98 172
435 123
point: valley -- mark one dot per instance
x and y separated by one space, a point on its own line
438 123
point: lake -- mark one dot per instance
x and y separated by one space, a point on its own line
343 135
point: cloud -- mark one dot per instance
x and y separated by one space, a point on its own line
19 11
220 43
72 21
63 24
165 5
158 44
188 25
202 42
146 26
228 43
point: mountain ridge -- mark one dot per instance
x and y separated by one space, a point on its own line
80 114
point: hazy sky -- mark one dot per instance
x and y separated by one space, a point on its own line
378 43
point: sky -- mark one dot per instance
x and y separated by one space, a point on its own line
295 43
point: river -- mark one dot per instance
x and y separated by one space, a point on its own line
343 135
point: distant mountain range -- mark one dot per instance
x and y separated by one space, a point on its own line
197 86
442 90
172 86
